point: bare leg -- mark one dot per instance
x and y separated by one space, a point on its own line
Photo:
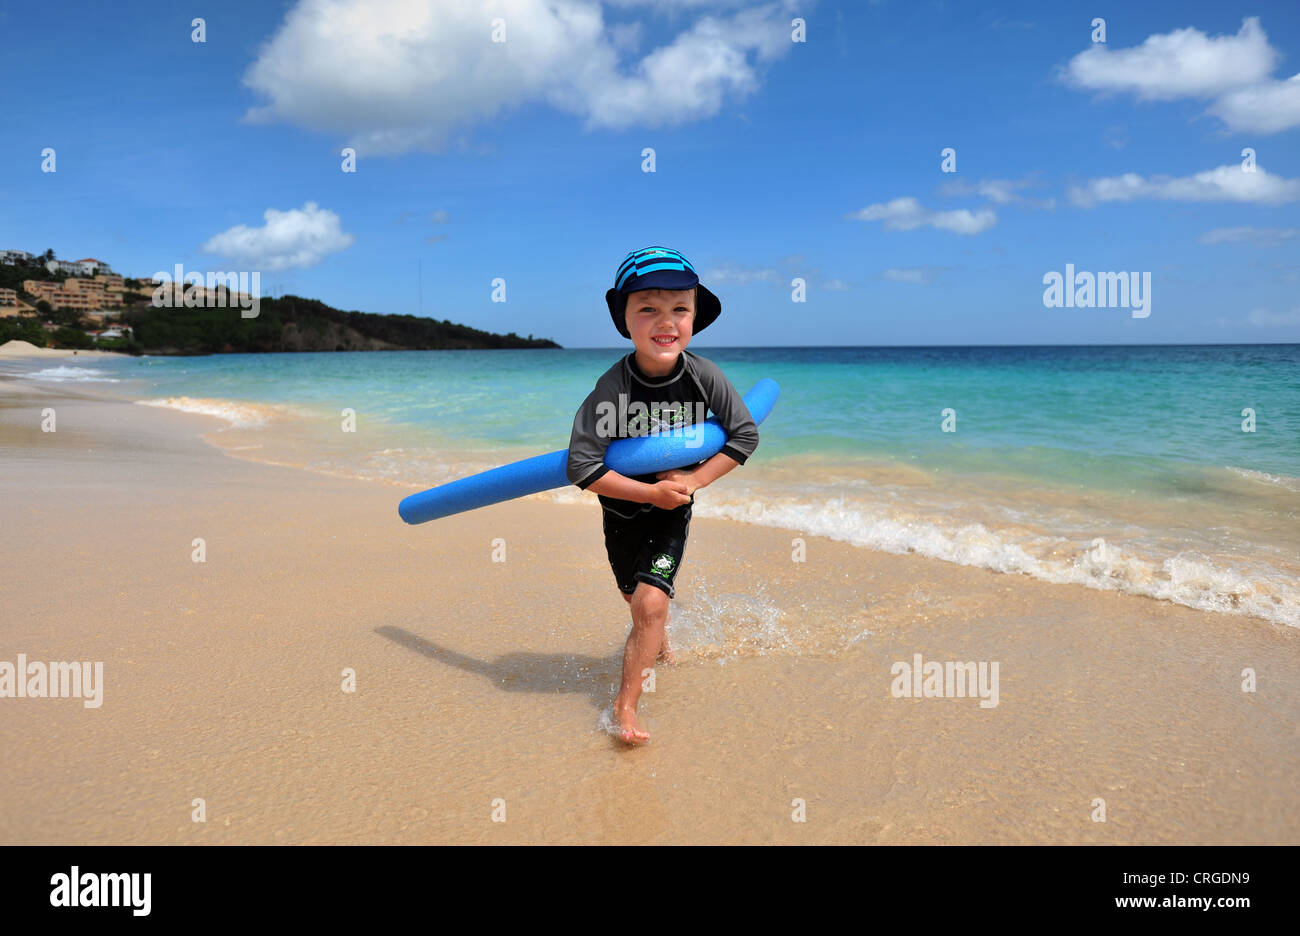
666 654
649 616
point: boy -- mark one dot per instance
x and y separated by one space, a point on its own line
657 302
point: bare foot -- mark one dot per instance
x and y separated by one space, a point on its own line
629 726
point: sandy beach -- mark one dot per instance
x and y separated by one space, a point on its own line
479 681
19 350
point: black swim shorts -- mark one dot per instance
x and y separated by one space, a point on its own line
648 547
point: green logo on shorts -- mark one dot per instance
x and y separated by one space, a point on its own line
662 565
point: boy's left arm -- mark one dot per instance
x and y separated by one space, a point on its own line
742 432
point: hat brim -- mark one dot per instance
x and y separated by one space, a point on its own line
707 308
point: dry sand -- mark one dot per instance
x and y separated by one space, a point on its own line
25 349
479 680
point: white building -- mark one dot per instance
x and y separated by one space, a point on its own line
13 256
64 266
90 266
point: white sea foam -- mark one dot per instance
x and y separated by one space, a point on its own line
729 625
64 373
1187 578
605 721
1283 481
239 415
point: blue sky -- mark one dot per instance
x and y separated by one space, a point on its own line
774 159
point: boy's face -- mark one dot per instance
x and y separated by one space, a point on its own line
660 323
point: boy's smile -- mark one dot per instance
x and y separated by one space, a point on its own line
660 323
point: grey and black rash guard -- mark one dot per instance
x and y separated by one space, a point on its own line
678 400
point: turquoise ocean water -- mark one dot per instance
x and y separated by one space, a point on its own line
1112 467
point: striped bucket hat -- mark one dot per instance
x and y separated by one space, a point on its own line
658 268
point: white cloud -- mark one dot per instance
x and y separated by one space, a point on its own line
740 275
1187 63
1263 318
664 4
792 266
999 191
918 275
1182 63
906 214
1264 108
395 76
1225 183
437 216
300 237
1258 237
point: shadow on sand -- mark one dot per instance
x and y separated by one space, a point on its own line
595 677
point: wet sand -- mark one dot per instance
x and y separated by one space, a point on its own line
478 680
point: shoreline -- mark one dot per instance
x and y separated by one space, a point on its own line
479 679
1098 538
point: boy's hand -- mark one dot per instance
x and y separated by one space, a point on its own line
685 477
669 494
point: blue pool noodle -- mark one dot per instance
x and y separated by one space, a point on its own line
543 472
